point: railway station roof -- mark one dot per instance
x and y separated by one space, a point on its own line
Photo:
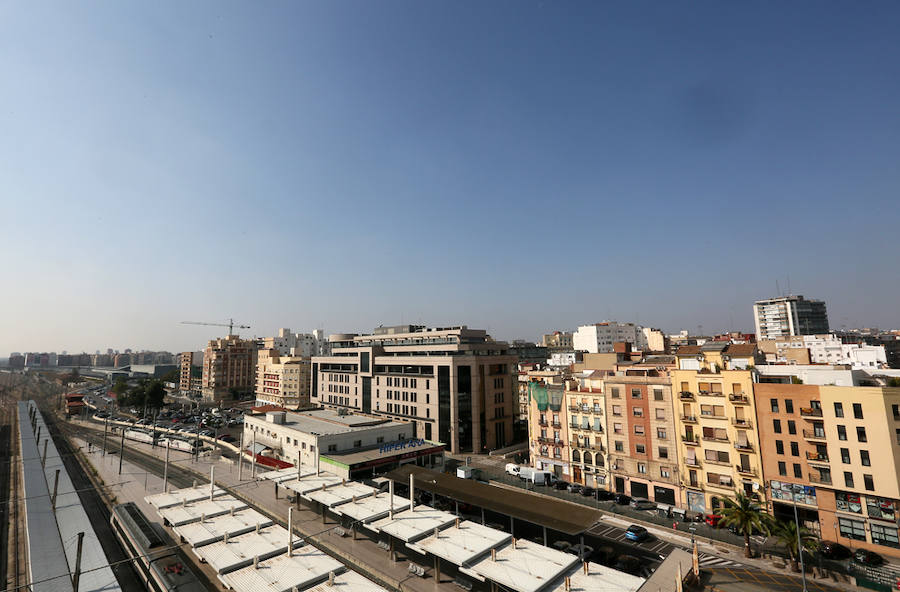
238 551
525 566
340 494
176 497
201 509
599 578
372 508
414 524
463 543
349 581
310 482
287 474
306 567
561 516
211 530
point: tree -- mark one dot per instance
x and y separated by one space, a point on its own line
745 517
171 376
120 387
154 393
895 381
786 532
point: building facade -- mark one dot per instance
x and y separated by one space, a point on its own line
303 345
282 380
558 340
229 366
454 384
789 315
585 407
600 337
548 429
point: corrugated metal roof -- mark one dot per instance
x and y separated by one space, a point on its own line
349 581
209 531
306 567
188 494
195 511
526 568
239 551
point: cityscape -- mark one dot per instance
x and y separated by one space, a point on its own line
499 296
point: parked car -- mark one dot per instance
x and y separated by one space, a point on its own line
574 488
867 557
636 533
581 550
588 491
561 485
512 469
622 499
642 503
227 438
605 495
832 550
712 520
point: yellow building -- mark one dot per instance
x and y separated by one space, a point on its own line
715 415
585 403
282 380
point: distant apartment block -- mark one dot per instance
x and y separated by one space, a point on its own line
789 315
297 344
600 337
557 340
454 384
228 368
823 349
282 380
190 376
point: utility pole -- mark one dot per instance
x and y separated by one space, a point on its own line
77 575
105 427
241 459
121 451
55 486
799 540
166 470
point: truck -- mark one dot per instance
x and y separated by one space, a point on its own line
542 477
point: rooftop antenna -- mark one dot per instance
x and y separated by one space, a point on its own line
777 288
789 286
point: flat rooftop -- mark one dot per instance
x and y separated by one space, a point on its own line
349 581
599 578
306 567
311 482
176 497
663 579
374 454
209 531
526 568
287 474
372 508
463 544
239 551
340 494
205 508
411 525
558 515
322 422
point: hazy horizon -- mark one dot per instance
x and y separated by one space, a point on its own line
519 166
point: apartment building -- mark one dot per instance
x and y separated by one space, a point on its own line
585 406
282 380
838 459
558 340
548 429
455 384
643 448
190 374
715 415
229 366
789 315
601 337
303 345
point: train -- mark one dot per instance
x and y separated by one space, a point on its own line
183 444
158 561
138 435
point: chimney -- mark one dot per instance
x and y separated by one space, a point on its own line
257 528
202 517
225 537
231 511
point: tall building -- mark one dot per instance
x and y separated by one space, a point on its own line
228 368
718 446
588 447
834 451
789 315
454 383
282 380
600 337
190 372
298 344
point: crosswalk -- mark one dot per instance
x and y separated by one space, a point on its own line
660 547
712 561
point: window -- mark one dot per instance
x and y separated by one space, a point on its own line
661 434
774 404
664 473
332 448
852 529
868 483
788 406
884 535
658 395
639 430
779 446
848 478
782 469
857 411
357 443
838 410
620 447
848 502
842 432
642 468
379 439
617 428
792 427
660 413
864 458
776 426
640 449
617 410
637 412
795 449
845 456
798 471
614 392
663 452
635 393
896 410
861 434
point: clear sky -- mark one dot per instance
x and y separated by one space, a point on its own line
517 166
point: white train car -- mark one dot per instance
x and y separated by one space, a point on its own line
179 444
139 435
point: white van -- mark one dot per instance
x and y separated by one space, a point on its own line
526 473
542 478
512 469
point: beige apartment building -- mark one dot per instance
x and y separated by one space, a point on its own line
718 445
282 380
587 442
642 431
548 429
190 378
228 368
454 384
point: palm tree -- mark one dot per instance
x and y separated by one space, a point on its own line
786 532
745 517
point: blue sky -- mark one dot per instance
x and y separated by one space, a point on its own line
518 166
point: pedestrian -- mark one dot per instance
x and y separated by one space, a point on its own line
675 525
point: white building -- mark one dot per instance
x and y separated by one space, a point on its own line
600 337
789 315
303 345
563 359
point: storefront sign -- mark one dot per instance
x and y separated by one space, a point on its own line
403 445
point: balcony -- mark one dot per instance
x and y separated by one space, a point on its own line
820 478
728 485
574 409
745 470
543 423
689 418
740 422
716 439
715 461
557 425
692 462
739 399
709 415
686 396
690 440
744 446
817 458
810 412
814 435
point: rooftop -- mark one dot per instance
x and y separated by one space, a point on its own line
558 515
209 531
599 578
327 421
312 482
239 551
462 544
349 581
411 525
373 507
306 567
340 494
201 509
176 497
527 567
288 474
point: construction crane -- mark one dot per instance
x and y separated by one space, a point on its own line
230 325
